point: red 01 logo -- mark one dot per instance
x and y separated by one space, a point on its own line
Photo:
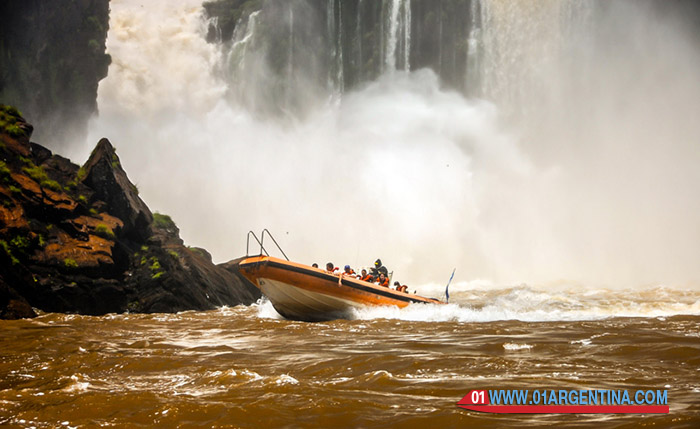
479 397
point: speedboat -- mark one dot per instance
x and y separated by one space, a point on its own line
302 292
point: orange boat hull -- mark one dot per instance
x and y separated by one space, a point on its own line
300 292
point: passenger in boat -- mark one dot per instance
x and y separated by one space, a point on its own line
383 280
331 268
366 277
379 268
399 287
349 272
315 265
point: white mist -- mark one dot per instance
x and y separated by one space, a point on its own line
580 171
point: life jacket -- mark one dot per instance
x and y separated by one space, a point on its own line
402 288
384 283
350 274
368 278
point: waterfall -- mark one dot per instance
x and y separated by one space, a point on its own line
340 79
407 34
577 162
336 80
440 39
390 60
473 50
399 20
241 61
290 60
333 55
242 41
214 25
523 44
358 41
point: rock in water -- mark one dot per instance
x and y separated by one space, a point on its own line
81 240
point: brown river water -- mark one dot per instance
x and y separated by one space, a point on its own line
246 367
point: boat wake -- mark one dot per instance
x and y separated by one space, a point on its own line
530 304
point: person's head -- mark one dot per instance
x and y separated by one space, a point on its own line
364 272
315 265
397 284
381 276
347 268
378 263
329 266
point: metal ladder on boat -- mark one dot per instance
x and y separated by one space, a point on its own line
261 241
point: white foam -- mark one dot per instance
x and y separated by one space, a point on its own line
533 305
286 379
78 384
513 346
266 310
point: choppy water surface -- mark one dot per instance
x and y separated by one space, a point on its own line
246 367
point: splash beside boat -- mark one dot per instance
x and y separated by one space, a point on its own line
301 292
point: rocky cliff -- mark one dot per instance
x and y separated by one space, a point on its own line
52 55
80 239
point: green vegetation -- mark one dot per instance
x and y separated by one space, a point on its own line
155 264
39 175
82 199
70 263
8 252
26 160
17 246
10 111
15 190
165 222
94 46
174 254
102 230
93 211
4 172
115 160
36 173
14 130
81 173
156 269
9 116
144 248
20 243
52 184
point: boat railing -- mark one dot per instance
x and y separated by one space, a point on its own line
261 241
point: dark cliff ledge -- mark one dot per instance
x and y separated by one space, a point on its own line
80 239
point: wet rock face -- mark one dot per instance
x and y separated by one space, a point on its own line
81 240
